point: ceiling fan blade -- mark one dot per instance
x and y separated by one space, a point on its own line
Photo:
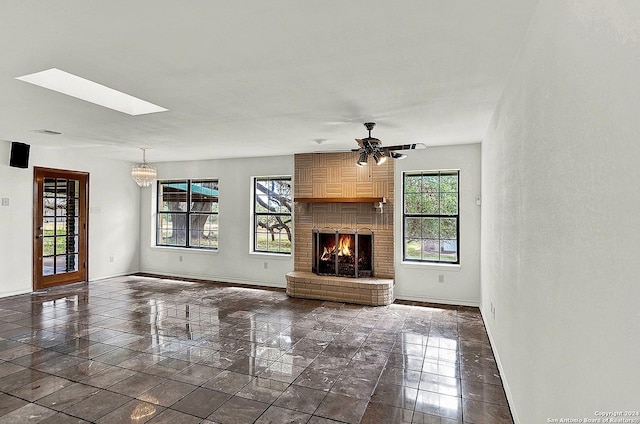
413 146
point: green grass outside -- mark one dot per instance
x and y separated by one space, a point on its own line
413 251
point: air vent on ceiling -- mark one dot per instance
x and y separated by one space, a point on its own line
46 132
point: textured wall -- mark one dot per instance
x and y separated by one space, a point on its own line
234 261
114 214
560 227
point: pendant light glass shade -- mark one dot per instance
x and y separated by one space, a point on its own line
143 174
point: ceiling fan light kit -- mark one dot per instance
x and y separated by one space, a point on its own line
396 155
362 160
371 146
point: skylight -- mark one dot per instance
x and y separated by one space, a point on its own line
78 87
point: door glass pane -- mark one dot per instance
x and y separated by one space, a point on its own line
48 244
48 240
72 244
72 263
61 245
47 265
49 187
48 206
61 187
48 232
73 189
61 226
61 264
61 206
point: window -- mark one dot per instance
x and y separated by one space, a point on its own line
188 214
272 215
431 220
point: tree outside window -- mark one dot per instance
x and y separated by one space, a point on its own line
272 215
188 214
431 216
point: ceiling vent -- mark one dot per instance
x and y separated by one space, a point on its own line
46 132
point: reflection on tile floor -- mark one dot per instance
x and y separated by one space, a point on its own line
141 349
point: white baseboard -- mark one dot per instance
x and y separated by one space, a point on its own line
15 293
505 383
446 301
232 280
106 277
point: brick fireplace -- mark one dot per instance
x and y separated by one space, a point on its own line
331 192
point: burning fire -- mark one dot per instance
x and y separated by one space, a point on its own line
343 248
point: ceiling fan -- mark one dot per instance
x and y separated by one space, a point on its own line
370 146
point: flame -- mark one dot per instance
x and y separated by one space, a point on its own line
344 244
343 249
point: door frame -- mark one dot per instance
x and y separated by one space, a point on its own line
39 174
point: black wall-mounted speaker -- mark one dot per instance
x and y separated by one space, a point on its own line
19 155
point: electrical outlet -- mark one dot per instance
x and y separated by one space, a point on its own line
5 201
266 265
180 258
441 278
110 258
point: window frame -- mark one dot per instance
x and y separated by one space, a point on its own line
256 214
188 214
439 215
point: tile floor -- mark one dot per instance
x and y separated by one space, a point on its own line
142 349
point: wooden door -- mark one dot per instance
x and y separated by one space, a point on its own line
60 236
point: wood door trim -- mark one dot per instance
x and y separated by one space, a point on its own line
83 253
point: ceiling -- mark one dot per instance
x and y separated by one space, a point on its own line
258 78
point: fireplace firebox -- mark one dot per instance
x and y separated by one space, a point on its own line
342 252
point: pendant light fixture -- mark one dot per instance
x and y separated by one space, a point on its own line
143 174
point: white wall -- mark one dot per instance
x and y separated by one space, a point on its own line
560 227
233 261
420 281
113 223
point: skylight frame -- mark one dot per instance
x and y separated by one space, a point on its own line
81 88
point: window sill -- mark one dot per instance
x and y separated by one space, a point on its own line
186 250
283 256
428 265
